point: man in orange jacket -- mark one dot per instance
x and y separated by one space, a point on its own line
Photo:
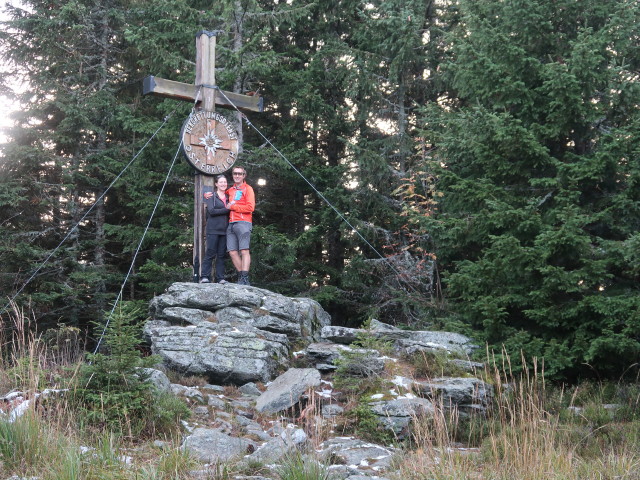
242 203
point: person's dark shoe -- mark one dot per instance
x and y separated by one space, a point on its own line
243 278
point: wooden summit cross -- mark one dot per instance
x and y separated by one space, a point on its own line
209 140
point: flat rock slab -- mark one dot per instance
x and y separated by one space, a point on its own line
403 407
211 445
404 341
286 390
262 309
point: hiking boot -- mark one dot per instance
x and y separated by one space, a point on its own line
222 281
205 280
243 278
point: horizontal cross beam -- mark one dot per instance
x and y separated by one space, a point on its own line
184 91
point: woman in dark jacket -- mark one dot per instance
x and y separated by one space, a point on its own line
217 222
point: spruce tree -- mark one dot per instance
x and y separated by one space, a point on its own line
81 122
537 228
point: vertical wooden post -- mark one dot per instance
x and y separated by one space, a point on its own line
205 95
205 79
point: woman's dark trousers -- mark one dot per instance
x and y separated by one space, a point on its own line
216 248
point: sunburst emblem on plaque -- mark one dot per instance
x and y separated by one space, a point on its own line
210 142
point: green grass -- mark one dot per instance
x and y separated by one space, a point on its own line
296 466
532 432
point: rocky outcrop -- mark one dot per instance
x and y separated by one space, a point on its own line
192 303
238 335
404 341
229 333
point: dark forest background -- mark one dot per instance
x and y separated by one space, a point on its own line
489 150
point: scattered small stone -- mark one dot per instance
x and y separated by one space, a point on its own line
250 389
241 403
191 393
216 402
201 411
212 445
326 367
215 388
331 410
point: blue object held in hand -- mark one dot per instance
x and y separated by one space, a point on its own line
238 195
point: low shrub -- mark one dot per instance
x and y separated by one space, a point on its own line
434 364
113 392
362 422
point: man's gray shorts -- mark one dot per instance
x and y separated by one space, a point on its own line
238 236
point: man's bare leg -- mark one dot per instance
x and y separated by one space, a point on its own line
235 259
245 257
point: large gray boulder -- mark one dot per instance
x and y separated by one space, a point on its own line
229 333
286 390
223 352
192 303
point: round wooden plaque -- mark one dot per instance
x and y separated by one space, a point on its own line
209 142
